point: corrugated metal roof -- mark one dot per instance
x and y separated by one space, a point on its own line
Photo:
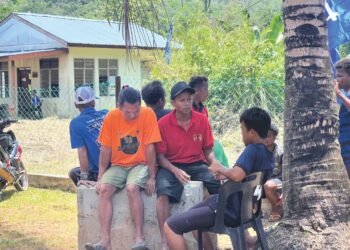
78 31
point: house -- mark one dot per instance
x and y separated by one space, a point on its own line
55 54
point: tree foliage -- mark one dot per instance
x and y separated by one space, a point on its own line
232 56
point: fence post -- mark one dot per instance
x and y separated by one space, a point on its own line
117 89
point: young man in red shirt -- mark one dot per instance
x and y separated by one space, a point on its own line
184 152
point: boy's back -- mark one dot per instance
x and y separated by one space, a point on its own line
254 158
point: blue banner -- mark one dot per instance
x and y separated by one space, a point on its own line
338 19
167 45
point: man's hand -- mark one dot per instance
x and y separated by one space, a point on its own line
87 183
215 167
98 186
336 88
182 176
150 186
220 177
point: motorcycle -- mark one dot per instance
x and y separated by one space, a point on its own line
12 170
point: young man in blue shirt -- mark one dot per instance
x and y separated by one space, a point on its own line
84 130
342 90
255 124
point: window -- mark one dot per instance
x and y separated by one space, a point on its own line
49 86
4 80
108 70
83 72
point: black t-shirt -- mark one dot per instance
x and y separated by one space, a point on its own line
161 113
254 158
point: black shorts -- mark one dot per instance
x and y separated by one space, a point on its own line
201 215
168 185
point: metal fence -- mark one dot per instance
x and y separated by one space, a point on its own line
43 119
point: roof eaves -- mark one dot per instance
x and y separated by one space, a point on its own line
58 39
110 46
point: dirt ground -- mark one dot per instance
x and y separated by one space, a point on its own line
336 237
46 145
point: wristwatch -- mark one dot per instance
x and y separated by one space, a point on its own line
84 176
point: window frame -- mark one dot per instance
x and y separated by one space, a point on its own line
51 92
105 88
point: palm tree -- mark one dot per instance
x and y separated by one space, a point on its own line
316 187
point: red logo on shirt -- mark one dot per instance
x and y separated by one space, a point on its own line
197 137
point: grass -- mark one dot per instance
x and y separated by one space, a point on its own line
38 219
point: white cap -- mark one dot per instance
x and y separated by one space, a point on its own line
84 94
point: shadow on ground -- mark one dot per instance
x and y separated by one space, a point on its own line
7 194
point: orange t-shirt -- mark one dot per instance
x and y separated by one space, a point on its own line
129 138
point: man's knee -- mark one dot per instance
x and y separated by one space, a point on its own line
106 191
270 186
163 199
132 189
167 229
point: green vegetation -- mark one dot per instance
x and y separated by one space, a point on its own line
244 63
38 219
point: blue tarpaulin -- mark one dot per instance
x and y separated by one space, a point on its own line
338 17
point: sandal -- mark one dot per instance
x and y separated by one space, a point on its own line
275 217
96 246
140 246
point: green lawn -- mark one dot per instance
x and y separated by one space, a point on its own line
38 219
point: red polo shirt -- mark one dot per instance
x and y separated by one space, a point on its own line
181 146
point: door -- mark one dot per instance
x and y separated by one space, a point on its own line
23 92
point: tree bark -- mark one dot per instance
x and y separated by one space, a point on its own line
316 187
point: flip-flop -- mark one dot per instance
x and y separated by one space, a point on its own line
140 246
275 217
96 246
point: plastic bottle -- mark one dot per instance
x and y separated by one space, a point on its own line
188 189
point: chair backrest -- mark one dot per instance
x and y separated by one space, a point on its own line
247 187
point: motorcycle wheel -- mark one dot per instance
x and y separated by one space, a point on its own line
22 182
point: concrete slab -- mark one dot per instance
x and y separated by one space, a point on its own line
122 232
51 181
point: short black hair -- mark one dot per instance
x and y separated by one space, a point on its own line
197 81
129 95
343 64
274 129
152 92
257 119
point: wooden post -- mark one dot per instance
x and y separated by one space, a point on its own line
117 89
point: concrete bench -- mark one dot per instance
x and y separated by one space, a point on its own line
122 232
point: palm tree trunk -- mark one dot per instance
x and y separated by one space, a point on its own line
316 188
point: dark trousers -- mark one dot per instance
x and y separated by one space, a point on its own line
74 175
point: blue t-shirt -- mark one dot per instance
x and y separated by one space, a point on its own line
254 158
84 130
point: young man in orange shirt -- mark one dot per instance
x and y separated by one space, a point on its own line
127 138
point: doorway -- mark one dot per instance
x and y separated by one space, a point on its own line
23 92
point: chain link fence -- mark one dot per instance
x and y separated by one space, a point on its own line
44 116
